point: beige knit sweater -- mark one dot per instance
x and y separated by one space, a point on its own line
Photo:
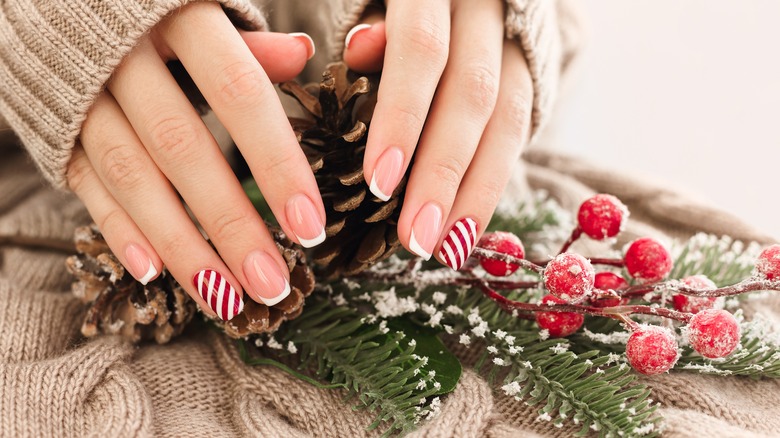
54 57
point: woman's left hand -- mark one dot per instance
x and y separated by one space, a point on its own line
455 94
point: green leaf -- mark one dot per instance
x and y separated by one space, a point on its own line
446 365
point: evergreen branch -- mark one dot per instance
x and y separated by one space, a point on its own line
722 259
370 362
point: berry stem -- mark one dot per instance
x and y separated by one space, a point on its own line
618 312
575 234
749 285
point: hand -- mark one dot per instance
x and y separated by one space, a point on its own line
143 144
451 81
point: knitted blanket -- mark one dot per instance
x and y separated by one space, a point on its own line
55 383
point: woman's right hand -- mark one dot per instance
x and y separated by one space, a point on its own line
143 144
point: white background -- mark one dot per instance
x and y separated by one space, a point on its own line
687 92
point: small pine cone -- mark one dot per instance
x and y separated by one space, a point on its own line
159 311
361 229
118 304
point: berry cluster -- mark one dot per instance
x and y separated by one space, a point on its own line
575 289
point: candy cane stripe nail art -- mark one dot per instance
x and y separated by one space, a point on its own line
457 247
220 295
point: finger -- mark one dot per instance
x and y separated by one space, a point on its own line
364 46
282 56
184 150
122 235
136 183
462 107
497 155
241 95
418 35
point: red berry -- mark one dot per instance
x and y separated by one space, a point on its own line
505 243
713 333
559 324
647 260
602 216
768 263
652 349
605 283
685 303
569 276
609 281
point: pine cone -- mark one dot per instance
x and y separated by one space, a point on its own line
118 304
361 228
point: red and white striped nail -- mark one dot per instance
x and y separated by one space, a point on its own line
459 242
220 295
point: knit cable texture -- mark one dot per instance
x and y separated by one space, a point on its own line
57 55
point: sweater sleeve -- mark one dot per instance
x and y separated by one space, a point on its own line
56 56
545 29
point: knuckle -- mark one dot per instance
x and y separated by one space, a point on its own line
449 171
173 137
174 246
490 190
79 171
113 223
428 38
240 82
516 110
122 166
231 225
480 87
410 118
282 162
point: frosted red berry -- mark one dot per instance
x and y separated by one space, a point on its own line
505 243
648 260
652 349
768 263
569 276
686 303
609 281
604 284
558 324
602 216
713 333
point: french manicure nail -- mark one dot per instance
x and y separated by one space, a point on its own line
265 278
218 293
425 230
387 173
459 242
304 219
311 49
352 32
140 264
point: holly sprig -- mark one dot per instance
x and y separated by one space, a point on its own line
583 379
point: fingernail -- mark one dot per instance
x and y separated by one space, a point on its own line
425 230
140 264
352 32
265 278
311 49
218 293
387 173
457 247
304 219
